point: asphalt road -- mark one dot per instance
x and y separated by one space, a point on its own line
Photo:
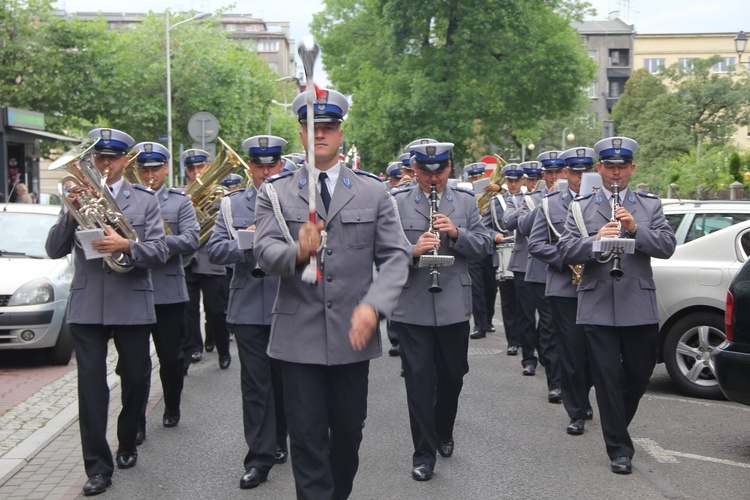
510 443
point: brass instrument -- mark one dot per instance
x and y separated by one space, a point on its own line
616 272
206 191
577 270
434 260
97 205
483 201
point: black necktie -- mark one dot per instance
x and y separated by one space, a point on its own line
324 194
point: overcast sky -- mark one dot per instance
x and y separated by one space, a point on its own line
649 16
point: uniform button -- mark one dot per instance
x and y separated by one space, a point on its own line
329 305
329 251
358 217
298 217
329 278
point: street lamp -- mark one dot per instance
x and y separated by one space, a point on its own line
196 17
570 137
740 43
523 148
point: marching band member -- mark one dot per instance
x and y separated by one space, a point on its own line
105 303
617 306
324 334
433 328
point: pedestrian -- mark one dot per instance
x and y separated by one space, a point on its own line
104 303
170 290
617 295
560 290
249 312
203 277
324 334
433 325
22 193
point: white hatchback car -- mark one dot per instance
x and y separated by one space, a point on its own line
33 288
713 241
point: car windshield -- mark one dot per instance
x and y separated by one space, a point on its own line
24 234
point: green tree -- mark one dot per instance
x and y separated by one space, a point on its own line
441 68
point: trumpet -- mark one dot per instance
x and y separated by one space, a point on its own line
434 260
97 206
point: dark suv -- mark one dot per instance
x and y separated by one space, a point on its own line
732 357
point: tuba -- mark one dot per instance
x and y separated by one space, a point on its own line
483 200
97 205
206 191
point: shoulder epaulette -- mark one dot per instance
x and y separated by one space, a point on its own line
276 177
647 195
399 190
237 191
583 197
177 191
464 190
367 174
143 188
551 193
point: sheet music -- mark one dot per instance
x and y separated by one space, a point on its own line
85 238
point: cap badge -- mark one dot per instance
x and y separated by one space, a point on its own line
106 135
581 152
322 100
430 150
553 155
617 144
263 142
148 148
191 154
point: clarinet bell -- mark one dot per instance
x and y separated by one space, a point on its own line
616 272
435 286
257 272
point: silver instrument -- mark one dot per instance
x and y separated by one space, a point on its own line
433 259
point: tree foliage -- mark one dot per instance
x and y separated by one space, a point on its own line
451 70
683 118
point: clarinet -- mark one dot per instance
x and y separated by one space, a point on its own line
616 272
434 272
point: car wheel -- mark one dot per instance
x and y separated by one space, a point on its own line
60 354
688 349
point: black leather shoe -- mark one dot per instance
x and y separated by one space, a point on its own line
209 348
98 483
170 420
512 350
478 334
196 356
445 448
224 361
252 478
140 437
555 395
621 465
280 456
575 427
421 472
395 350
491 328
529 370
127 461
589 414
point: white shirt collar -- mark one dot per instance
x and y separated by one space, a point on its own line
115 188
333 177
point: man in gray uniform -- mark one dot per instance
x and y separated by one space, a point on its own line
170 291
251 297
549 223
618 312
324 334
105 303
536 277
433 328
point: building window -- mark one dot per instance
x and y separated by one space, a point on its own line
723 66
230 27
686 63
614 89
268 46
619 57
591 90
654 66
274 66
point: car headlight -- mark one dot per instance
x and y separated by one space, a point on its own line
34 292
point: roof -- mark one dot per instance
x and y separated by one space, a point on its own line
613 27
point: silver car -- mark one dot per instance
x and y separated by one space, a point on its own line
713 241
33 288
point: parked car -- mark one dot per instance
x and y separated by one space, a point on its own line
33 288
713 241
732 357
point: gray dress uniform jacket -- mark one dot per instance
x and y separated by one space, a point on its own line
631 300
169 279
250 299
543 244
311 322
99 295
416 305
536 270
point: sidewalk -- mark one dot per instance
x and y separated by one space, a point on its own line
40 443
